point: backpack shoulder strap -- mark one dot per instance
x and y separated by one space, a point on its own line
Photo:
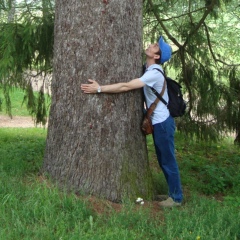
159 96
154 104
160 71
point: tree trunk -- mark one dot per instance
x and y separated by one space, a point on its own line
12 10
237 139
94 143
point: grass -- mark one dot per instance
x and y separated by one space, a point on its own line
32 208
18 106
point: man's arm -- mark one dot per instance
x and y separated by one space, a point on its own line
93 86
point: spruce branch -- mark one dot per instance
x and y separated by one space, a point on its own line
209 9
212 53
182 15
170 36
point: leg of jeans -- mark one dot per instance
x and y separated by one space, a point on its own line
163 136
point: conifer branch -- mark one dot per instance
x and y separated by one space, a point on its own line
162 25
209 8
184 14
45 71
212 53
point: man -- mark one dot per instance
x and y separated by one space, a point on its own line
163 123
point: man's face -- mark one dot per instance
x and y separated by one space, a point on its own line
152 50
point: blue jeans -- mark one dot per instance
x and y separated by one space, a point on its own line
163 136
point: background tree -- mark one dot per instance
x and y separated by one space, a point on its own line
11 13
94 142
26 51
204 36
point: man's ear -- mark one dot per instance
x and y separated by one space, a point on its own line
156 56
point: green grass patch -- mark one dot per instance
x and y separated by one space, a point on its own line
33 208
209 168
18 108
18 105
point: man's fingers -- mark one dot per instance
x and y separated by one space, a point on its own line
91 81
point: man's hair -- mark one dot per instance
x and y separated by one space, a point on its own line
158 61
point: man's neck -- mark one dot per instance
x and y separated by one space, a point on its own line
150 62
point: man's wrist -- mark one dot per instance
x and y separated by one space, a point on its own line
99 90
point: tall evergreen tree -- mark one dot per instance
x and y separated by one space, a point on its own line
203 60
94 143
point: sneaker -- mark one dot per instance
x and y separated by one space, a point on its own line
161 197
169 203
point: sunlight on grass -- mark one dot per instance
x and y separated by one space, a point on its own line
31 207
18 107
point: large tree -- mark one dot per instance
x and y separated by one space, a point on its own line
94 142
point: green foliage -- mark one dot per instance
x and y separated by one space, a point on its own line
33 208
26 47
219 178
216 179
232 200
204 36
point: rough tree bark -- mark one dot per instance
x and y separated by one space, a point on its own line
94 142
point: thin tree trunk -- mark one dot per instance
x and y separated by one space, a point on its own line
11 13
237 139
94 142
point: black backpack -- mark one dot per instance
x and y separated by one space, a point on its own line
176 104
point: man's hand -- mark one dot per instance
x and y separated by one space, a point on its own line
91 87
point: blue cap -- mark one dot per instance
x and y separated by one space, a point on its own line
166 50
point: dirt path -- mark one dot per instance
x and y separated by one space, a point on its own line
16 121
